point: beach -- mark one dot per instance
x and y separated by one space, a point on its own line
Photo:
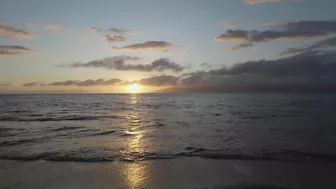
188 173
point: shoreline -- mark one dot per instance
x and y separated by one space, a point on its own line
192 172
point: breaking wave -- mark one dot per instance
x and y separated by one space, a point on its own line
60 118
103 133
92 156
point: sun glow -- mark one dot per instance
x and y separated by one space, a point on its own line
134 88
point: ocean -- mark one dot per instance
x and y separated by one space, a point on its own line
137 127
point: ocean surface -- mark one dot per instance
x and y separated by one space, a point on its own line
126 127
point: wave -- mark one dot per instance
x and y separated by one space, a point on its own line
62 118
127 134
66 128
103 133
7 135
285 155
17 111
47 157
54 157
288 156
60 157
33 157
4 129
8 132
79 159
22 141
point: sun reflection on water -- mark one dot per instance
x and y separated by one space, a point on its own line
135 175
134 147
134 99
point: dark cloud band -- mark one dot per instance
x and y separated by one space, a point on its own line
12 32
252 2
290 30
122 63
318 46
13 50
148 45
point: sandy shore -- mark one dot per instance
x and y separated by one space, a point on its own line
172 173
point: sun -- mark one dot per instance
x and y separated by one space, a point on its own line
134 88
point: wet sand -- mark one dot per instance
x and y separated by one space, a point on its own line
183 173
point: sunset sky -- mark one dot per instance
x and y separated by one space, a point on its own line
106 45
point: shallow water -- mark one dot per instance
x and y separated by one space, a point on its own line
93 128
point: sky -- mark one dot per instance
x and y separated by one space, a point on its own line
103 46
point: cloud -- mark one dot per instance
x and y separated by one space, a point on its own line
289 30
313 27
115 62
162 80
98 82
32 84
320 45
262 36
272 24
113 34
314 72
241 46
111 82
94 29
63 83
206 65
86 83
196 78
6 50
5 84
148 45
112 37
122 63
252 2
121 31
128 82
157 81
163 64
12 32
235 35
314 65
